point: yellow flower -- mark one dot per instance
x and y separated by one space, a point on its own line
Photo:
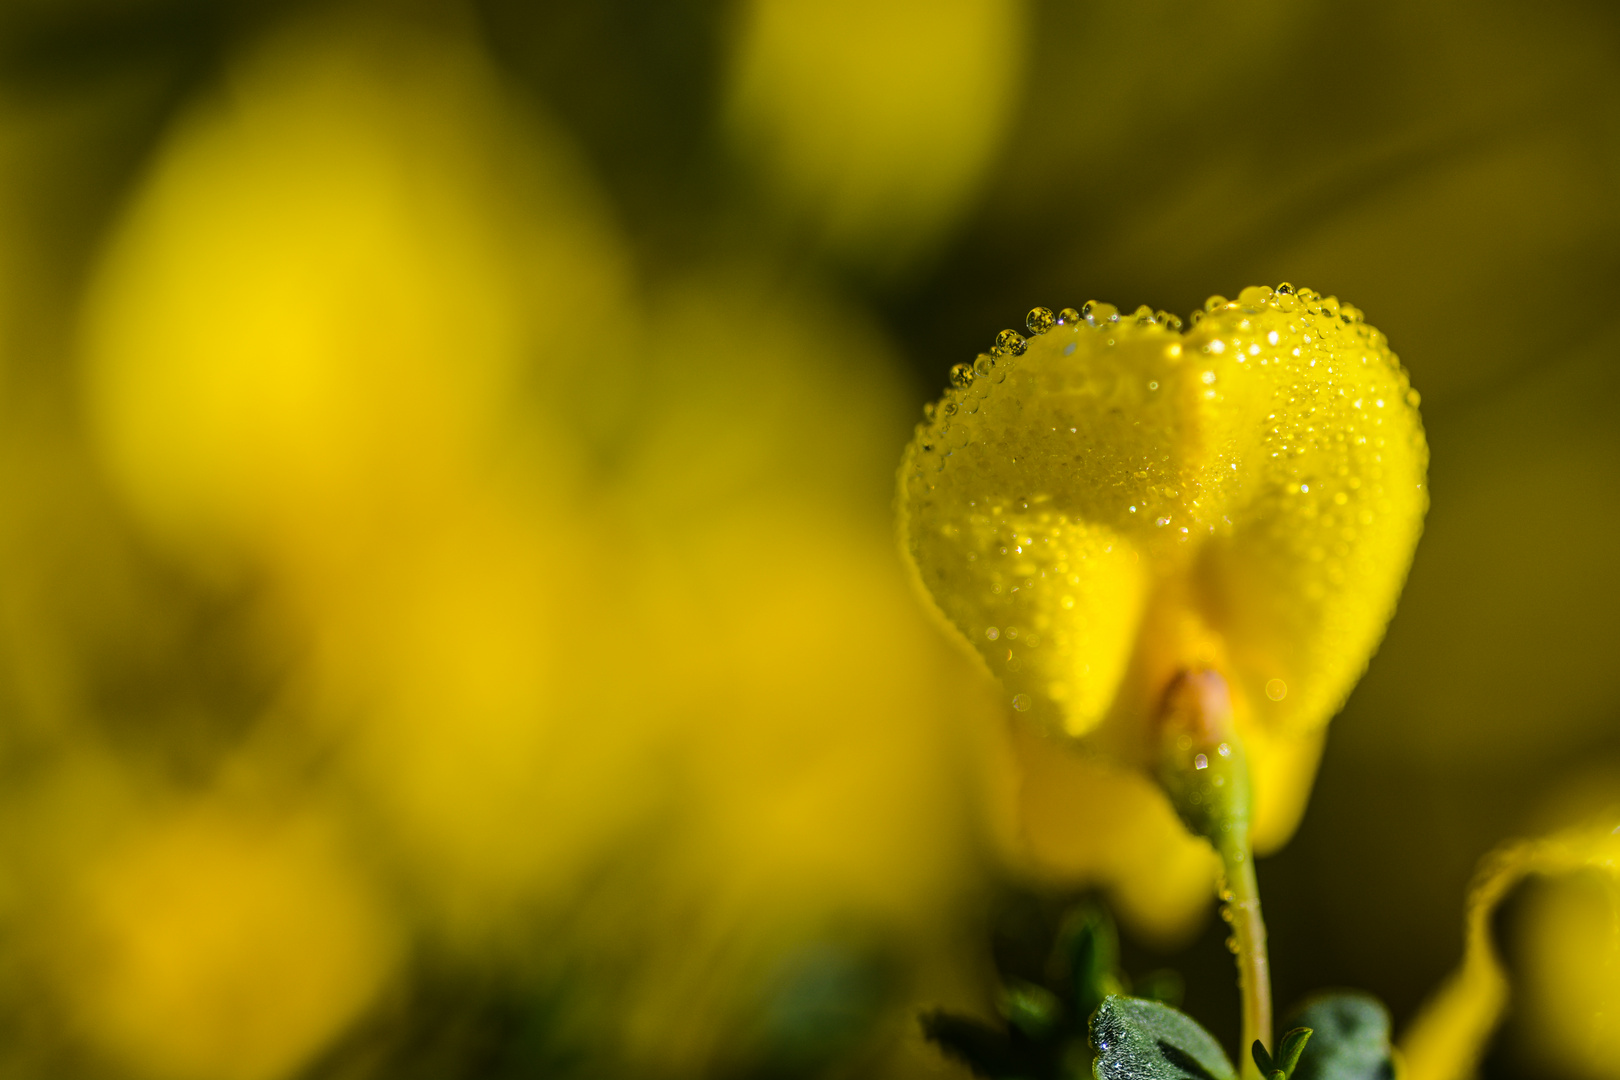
217 944
1113 501
598 631
1572 960
871 124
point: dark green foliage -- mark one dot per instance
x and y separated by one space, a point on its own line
1288 1051
1143 1040
1351 1040
1050 985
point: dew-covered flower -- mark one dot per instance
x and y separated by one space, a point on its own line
1116 499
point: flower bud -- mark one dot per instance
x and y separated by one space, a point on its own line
1202 766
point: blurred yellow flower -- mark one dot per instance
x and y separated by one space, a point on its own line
211 944
315 319
560 601
872 123
1574 948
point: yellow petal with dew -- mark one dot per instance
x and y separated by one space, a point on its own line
1115 499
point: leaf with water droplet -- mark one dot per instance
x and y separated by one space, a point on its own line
1144 1040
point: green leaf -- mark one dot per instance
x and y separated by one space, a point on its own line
1143 1040
1088 949
1033 1010
1262 1059
1290 1047
1350 1038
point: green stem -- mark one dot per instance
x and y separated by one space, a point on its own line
1205 772
1241 894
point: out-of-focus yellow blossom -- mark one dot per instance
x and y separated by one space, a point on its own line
549 628
321 312
817 726
1573 973
873 122
310 351
1114 501
209 943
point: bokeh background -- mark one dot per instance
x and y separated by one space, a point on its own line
450 624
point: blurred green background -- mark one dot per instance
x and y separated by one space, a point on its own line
449 620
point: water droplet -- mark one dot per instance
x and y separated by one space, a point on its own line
1201 761
992 633
1144 315
1067 603
1040 320
928 410
983 365
1232 945
1166 319
1285 289
1009 343
1225 749
1276 689
1413 398
1020 702
1215 303
1068 317
1153 386
961 375
1096 312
